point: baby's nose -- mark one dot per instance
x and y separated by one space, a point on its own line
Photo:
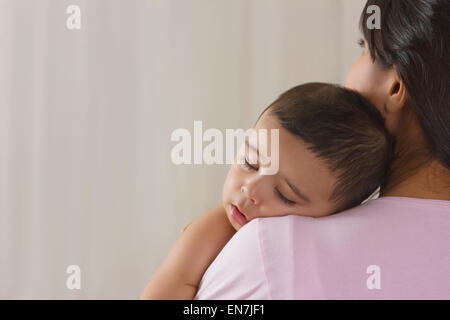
251 194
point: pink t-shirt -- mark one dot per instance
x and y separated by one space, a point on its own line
387 248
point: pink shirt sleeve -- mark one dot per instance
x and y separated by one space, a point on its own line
387 248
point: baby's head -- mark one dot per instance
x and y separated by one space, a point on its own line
334 152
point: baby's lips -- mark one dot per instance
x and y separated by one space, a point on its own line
238 216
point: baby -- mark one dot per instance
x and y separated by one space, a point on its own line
334 152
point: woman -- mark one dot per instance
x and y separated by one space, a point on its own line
393 247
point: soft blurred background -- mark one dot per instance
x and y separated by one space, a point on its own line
86 116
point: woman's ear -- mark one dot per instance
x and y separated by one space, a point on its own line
397 94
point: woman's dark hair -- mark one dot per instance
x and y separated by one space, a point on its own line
342 129
415 38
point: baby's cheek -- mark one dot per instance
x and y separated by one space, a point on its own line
229 185
225 192
272 209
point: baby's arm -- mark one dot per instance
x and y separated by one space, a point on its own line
180 273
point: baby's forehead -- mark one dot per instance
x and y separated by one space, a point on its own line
294 154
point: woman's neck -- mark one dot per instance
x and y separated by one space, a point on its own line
430 181
413 172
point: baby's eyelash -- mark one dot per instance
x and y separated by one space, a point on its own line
284 199
361 43
248 165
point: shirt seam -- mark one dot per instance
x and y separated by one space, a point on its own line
263 259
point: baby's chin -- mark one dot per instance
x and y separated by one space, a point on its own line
235 225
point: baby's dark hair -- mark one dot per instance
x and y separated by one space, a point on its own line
342 129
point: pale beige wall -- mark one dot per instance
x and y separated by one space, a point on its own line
86 118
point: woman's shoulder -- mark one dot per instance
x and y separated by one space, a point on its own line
391 232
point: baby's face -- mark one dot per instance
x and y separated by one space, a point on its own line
302 185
